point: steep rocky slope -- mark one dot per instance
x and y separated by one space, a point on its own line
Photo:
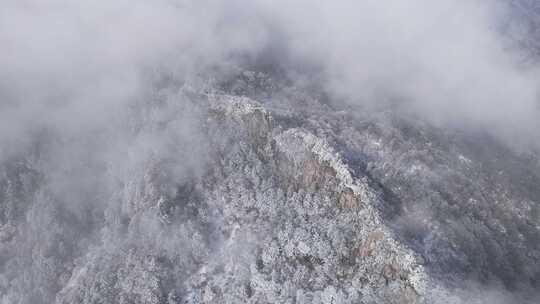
182 152
298 204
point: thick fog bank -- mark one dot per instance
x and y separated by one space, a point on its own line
74 64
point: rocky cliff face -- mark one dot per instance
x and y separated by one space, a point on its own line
305 204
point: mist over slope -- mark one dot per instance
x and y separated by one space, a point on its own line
269 152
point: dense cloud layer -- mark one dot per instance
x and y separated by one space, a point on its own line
73 63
